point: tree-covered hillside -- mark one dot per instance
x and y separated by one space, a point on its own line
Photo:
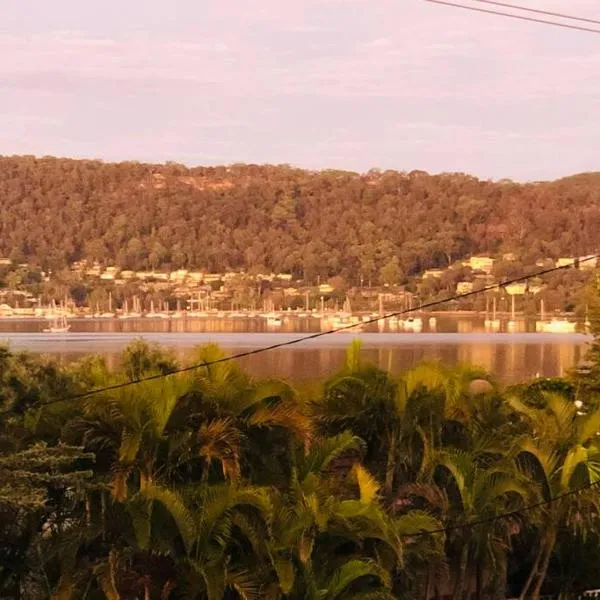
56 211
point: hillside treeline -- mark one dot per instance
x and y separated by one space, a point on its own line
54 212
213 485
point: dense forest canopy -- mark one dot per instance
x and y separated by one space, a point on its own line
54 212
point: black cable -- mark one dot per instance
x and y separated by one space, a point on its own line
319 334
507 515
513 16
538 11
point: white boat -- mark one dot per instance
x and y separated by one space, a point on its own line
274 322
559 326
554 325
58 325
412 324
153 314
346 326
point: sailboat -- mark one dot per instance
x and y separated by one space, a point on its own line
412 323
108 314
492 324
58 324
512 324
178 314
553 325
125 314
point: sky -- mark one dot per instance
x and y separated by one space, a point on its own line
345 84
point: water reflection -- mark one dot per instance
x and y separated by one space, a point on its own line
511 357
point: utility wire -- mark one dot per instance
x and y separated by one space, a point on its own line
507 515
313 336
514 16
538 11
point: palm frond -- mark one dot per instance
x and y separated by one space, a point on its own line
325 450
176 507
350 573
367 484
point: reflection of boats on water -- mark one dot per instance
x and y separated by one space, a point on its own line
58 324
553 325
274 321
512 324
432 323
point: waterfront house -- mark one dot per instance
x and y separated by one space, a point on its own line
179 275
516 289
464 287
566 261
437 273
481 263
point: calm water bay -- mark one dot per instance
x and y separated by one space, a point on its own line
511 357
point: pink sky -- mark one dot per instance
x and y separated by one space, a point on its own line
351 84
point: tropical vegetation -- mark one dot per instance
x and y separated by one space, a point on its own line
213 484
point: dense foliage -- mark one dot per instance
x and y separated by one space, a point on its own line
377 225
214 485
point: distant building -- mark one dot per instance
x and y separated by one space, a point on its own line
5 261
284 276
437 273
325 288
196 276
208 277
144 274
566 261
127 274
516 289
179 275
509 257
107 276
464 287
481 263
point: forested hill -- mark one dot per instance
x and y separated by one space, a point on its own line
56 211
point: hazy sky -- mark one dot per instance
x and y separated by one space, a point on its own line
351 84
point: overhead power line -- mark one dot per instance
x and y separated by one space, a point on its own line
506 515
538 11
313 336
514 16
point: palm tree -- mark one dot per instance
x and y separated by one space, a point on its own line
465 488
400 421
560 451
